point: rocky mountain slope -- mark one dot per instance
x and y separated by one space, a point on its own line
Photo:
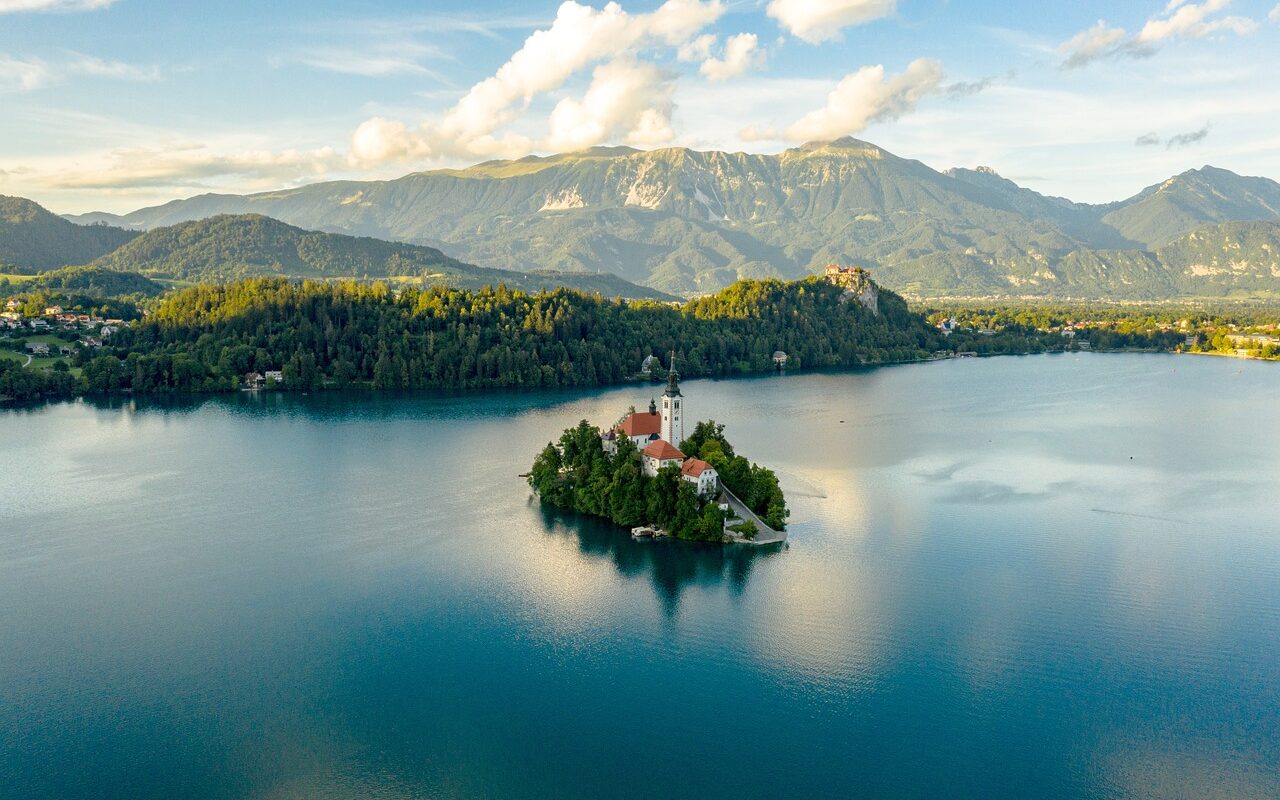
686 221
229 247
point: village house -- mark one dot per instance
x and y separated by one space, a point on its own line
273 376
659 454
701 474
38 348
39 323
13 304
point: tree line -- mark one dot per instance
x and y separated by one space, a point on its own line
342 334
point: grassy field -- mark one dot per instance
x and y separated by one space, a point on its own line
42 362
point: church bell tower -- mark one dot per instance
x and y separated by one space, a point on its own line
673 407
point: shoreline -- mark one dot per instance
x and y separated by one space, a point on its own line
8 402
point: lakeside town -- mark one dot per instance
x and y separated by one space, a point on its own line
53 331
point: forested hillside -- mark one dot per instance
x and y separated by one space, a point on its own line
33 239
344 333
232 247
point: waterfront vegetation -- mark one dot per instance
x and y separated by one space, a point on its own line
578 474
1220 327
342 334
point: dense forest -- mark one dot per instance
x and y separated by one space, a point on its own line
578 474
342 334
33 239
227 248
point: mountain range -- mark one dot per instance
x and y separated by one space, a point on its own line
686 222
227 247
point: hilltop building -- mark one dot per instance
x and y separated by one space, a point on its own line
857 286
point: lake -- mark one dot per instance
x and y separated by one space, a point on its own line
1037 577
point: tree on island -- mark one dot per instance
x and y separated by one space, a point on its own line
756 486
577 473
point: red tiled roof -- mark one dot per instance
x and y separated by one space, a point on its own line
695 467
641 423
663 451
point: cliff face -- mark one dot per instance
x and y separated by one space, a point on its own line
858 287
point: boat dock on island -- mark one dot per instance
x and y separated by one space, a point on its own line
648 532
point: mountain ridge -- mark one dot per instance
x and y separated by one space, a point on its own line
34 238
228 247
690 221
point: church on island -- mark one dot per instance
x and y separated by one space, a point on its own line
636 473
653 434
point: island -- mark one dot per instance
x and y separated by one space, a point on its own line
632 474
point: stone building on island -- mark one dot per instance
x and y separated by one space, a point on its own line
660 454
654 433
641 427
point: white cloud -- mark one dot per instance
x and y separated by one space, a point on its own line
1179 20
29 74
186 165
14 6
627 100
370 54
1274 16
23 76
866 96
1191 21
579 37
102 68
1094 43
697 49
741 53
817 21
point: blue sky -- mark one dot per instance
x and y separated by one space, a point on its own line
117 104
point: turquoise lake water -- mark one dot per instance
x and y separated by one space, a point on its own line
1041 577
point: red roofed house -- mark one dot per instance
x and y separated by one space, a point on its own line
660 454
642 426
701 474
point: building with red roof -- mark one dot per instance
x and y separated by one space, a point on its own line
701 474
659 454
642 427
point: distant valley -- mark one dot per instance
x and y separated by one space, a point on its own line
687 222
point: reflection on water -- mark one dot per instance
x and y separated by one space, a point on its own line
670 565
1054 577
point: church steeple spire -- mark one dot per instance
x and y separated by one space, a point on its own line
673 406
673 387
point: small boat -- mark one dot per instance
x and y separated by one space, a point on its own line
642 532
